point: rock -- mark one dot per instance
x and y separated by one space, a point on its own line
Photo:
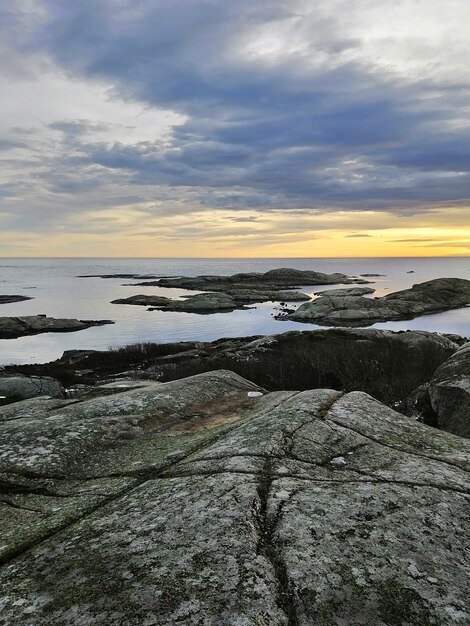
432 296
190 503
203 303
347 291
213 302
136 276
11 327
388 365
22 387
277 279
9 299
445 401
372 275
144 300
265 295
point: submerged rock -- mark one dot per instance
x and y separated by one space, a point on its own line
432 296
11 327
192 503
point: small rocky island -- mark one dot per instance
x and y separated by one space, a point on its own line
311 477
208 500
6 299
12 327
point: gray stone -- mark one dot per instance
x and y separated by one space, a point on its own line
12 327
144 300
191 503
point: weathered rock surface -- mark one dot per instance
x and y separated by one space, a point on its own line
23 387
192 503
9 299
11 327
432 296
282 278
444 402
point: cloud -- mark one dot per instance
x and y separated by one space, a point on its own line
322 107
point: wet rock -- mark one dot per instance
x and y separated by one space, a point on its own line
441 294
22 387
11 327
191 503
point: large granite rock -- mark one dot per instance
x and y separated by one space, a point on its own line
206 502
213 302
22 387
444 402
11 327
9 299
432 296
346 291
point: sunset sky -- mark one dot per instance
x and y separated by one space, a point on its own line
247 128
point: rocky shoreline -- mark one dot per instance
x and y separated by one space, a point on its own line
14 327
310 477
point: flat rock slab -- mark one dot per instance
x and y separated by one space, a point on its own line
12 327
193 503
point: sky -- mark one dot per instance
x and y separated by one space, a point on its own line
214 128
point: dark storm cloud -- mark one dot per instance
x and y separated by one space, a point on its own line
341 135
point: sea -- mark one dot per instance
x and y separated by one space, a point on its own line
57 291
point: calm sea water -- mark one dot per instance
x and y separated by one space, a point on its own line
57 292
